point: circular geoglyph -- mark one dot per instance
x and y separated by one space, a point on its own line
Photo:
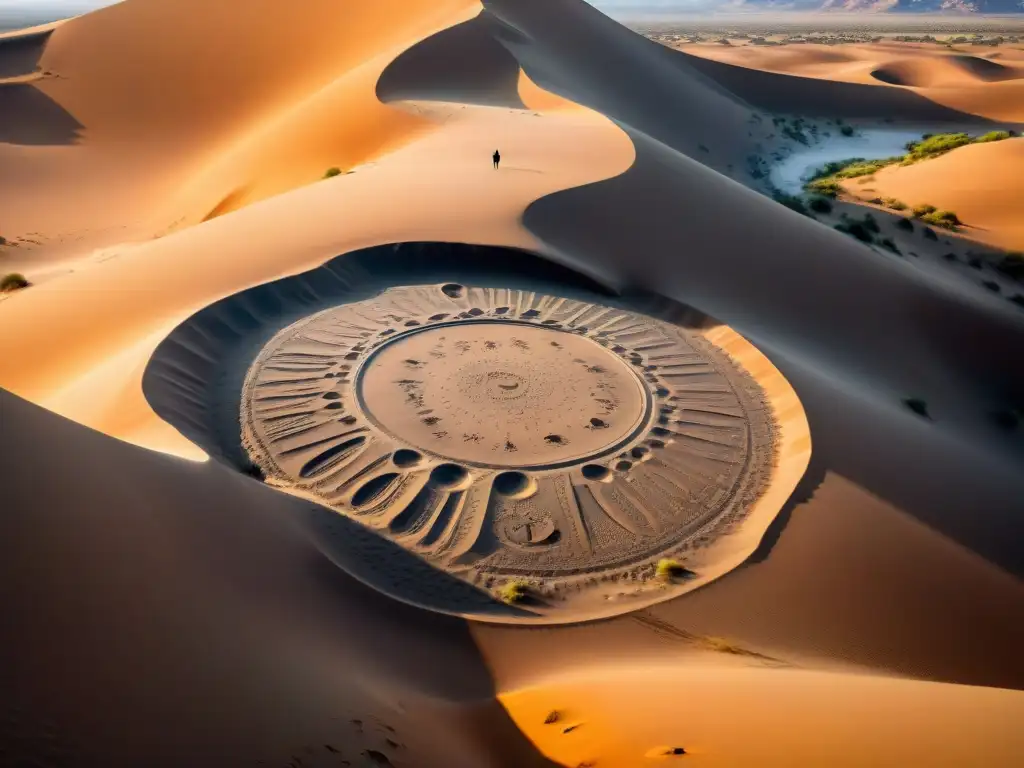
509 435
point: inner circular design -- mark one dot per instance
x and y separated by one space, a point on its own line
502 389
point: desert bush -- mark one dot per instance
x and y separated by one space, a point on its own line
896 205
13 282
846 130
992 136
992 285
668 569
887 242
929 234
923 210
918 406
514 591
944 219
820 205
932 146
825 187
855 229
905 224
975 262
332 172
871 224
949 256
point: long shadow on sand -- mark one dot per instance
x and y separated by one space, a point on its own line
31 118
186 595
27 115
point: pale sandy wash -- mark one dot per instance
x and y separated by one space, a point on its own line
507 434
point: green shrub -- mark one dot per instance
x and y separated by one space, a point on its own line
992 136
944 219
332 172
933 146
668 569
924 210
820 205
896 205
825 187
13 282
514 591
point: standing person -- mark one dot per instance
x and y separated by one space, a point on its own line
496 159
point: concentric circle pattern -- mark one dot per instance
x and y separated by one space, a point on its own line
507 434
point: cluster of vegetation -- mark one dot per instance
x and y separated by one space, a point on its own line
514 591
332 172
13 282
668 569
826 180
932 215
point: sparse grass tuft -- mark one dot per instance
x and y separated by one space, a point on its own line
669 569
894 204
514 591
553 717
13 282
332 172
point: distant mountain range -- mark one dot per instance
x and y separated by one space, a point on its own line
994 7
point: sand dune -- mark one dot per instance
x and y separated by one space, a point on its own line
202 292
986 195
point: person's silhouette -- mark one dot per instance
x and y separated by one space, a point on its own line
497 159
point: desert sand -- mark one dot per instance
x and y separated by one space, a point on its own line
327 443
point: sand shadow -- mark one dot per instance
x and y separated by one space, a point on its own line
435 69
29 117
20 55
